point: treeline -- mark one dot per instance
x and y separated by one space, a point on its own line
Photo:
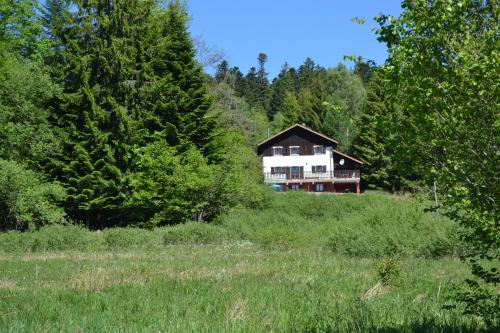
105 119
328 100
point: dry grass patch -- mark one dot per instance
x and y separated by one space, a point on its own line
236 312
7 284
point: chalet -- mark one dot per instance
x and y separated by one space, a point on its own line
299 158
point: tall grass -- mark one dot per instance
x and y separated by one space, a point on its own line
370 225
305 263
214 288
374 224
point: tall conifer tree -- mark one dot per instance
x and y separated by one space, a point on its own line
130 79
176 94
95 108
375 141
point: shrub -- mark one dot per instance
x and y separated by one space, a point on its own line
130 237
371 225
26 200
388 270
195 233
48 238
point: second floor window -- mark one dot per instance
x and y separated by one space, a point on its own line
318 168
277 151
294 150
319 150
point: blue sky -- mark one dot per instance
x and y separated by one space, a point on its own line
290 30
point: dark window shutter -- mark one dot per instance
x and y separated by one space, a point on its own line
272 170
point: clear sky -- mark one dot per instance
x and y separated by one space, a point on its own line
290 30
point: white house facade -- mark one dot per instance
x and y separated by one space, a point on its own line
300 158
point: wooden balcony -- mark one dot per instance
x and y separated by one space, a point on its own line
337 176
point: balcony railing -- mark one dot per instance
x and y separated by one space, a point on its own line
337 175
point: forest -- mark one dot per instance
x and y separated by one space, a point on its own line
108 121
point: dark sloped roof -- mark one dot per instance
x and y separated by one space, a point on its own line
301 126
347 156
315 133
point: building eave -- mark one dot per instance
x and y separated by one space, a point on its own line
347 156
301 126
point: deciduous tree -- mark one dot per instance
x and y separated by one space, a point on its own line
443 71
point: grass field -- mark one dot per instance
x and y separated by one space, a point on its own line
299 269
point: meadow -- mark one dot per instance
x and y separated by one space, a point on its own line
330 263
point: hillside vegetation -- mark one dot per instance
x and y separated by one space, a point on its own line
305 263
371 225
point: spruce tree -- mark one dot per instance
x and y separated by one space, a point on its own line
262 82
129 79
374 143
96 107
176 95
284 83
251 87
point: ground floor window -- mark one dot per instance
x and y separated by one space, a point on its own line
295 187
319 187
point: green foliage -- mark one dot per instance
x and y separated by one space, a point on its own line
388 270
96 109
365 69
174 186
285 83
196 233
27 201
376 141
328 100
254 86
442 70
291 110
48 238
130 82
126 238
234 113
25 132
372 225
177 187
21 32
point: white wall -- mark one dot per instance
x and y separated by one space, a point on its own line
306 161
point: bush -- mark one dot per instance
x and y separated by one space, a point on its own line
26 200
371 225
48 238
388 270
130 237
196 233
208 189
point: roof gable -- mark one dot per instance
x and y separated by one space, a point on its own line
285 132
307 134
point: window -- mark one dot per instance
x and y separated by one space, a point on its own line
278 151
296 172
278 170
319 187
294 150
318 168
295 187
319 150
